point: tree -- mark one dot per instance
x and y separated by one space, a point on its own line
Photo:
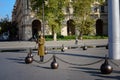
102 1
13 31
4 23
83 22
55 16
53 13
8 26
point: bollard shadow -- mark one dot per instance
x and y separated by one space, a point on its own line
38 62
96 73
43 67
76 55
87 70
19 60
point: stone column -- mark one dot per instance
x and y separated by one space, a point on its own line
114 29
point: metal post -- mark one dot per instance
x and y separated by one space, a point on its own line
69 19
43 17
114 29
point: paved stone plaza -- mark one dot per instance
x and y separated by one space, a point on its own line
13 66
50 44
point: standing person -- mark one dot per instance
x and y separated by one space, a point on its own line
41 51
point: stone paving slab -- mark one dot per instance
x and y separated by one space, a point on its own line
13 67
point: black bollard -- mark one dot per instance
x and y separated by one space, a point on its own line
84 47
76 41
107 46
29 58
54 64
105 67
62 49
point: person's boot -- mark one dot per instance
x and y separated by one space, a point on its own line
42 58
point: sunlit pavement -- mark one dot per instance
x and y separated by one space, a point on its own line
13 67
22 45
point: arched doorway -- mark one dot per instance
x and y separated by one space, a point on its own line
99 27
70 27
36 26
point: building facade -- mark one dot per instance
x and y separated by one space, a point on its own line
29 25
22 16
102 22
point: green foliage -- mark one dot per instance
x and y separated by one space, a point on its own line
53 12
86 26
73 37
13 30
59 37
36 6
4 23
82 7
94 37
101 1
7 25
83 21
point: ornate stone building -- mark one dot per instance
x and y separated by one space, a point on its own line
22 15
29 25
104 17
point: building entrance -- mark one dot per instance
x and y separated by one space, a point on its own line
99 27
70 27
36 26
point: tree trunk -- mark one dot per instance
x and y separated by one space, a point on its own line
55 36
81 36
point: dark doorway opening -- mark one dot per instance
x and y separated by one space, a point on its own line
99 27
70 27
36 27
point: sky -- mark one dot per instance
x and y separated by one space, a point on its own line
6 7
